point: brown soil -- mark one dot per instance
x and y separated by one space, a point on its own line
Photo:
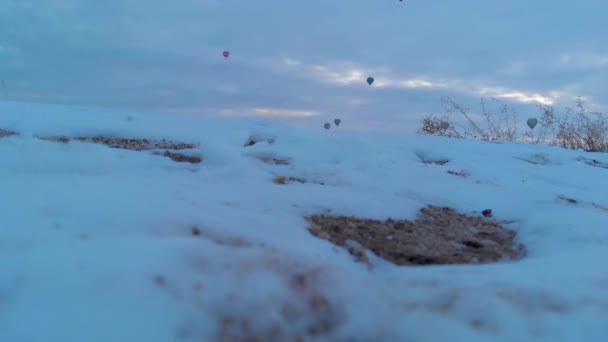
138 145
284 180
438 236
128 144
182 158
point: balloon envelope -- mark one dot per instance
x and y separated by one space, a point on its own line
226 54
532 123
370 80
327 126
337 122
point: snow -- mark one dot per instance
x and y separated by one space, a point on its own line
96 243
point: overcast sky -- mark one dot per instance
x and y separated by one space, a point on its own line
304 62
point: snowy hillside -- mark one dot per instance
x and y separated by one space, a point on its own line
116 244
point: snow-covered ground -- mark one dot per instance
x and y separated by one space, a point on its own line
97 244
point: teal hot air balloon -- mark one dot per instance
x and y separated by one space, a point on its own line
532 122
327 126
337 122
370 80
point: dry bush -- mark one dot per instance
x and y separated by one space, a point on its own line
501 127
576 128
580 129
434 125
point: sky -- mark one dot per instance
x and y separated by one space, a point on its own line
304 62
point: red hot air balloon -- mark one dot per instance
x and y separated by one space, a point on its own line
226 54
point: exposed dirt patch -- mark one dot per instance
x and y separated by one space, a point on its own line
284 180
461 173
438 236
280 180
182 158
136 144
7 133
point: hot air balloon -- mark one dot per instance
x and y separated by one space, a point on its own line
226 54
337 122
370 80
532 122
327 126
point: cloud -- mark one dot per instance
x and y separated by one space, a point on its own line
282 112
583 60
517 96
353 75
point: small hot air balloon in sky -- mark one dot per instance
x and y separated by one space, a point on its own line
532 122
327 126
370 80
226 54
337 122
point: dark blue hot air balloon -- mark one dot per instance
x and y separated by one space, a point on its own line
327 126
532 122
370 80
337 122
